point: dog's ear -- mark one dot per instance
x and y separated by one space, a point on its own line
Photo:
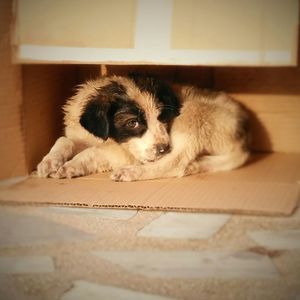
170 106
169 103
95 120
166 98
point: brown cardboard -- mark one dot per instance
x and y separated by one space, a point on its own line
259 28
273 97
267 185
45 89
256 32
30 105
78 28
10 102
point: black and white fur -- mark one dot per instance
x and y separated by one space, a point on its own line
140 128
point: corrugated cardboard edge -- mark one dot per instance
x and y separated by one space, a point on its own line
264 187
150 208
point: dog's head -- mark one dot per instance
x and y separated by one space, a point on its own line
136 112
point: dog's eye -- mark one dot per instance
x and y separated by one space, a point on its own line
133 123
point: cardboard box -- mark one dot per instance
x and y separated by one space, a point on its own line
193 32
264 186
30 121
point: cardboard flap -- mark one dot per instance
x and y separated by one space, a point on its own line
266 186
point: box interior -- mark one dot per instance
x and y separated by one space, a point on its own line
31 120
267 185
270 94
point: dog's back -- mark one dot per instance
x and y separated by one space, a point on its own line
214 129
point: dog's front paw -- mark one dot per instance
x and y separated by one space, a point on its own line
128 173
49 166
69 170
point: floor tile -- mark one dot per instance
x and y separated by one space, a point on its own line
283 239
9 291
119 214
192 264
92 291
30 264
185 225
16 230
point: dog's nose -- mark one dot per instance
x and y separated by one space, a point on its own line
162 148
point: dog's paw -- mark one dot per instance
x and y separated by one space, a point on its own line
195 167
128 173
69 170
49 166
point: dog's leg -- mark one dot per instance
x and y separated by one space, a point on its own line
167 166
172 164
62 150
183 164
86 162
215 163
94 160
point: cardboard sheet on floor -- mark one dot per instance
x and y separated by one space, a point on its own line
268 185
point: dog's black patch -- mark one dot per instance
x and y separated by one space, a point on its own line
112 90
242 132
111 113
166 99
94 118
127 121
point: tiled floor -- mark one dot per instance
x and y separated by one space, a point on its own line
78 253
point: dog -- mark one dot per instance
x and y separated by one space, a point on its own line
140 128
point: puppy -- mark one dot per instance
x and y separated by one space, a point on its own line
140 128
